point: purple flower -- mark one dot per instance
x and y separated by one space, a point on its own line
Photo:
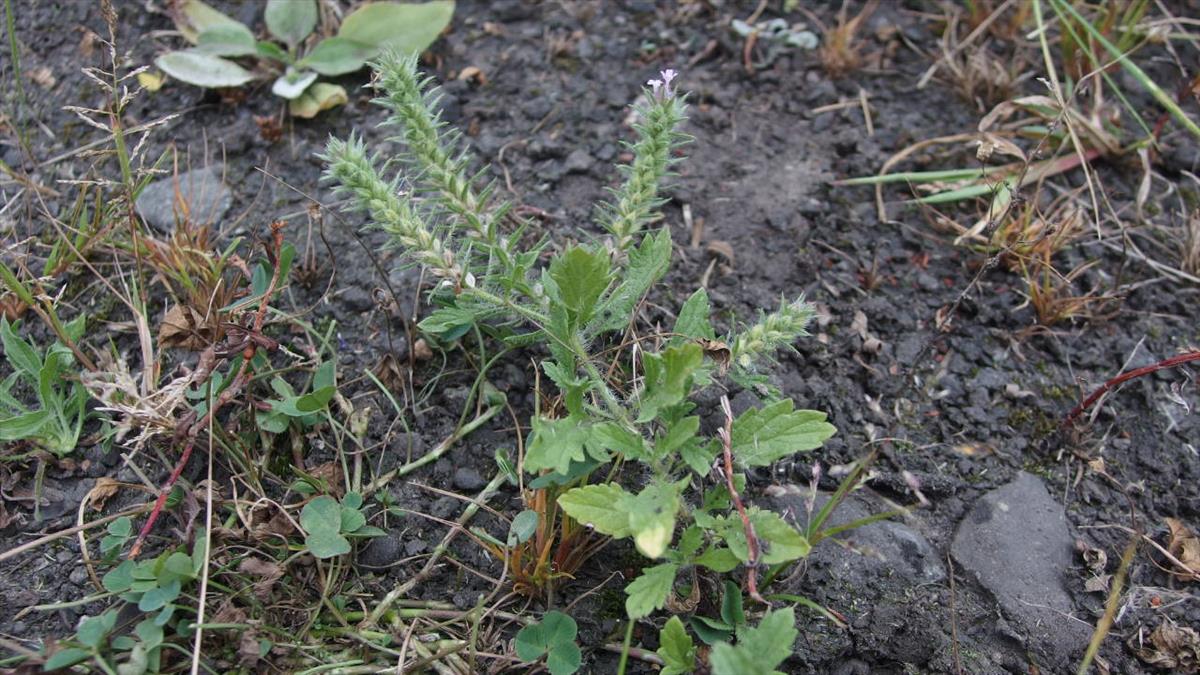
661 89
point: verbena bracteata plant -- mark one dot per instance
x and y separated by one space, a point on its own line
625 396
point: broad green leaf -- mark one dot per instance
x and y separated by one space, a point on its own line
227 40
553 636
676 648
710 630
322 514
203 70
699 455
353 500
690 541
24 426
603 507
778 541
315 400
759 650
156 598
326 376
177 566
65 658
447 324
569 383
291 20
614 437
555 443
352 519
193 17
336 56
270 50
581 276
325 544
293 84
120 578
679 433
319 97
764 435
667 377
408 28
564 659
649 591
19 352
150 633
652 518
693 320
732 611
718 559
647 264
271 422
523 526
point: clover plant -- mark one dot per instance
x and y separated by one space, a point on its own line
624 395
363 33
328 525
554 638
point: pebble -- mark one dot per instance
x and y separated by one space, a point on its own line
579 161
205 199
468 479
1016 543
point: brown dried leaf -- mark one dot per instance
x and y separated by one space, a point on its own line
390 373
722 249
473 73
718 351
183 327
267 571
104 488
421 350
268 521
248 654
1173 648
1183 544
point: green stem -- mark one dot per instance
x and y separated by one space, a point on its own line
625 648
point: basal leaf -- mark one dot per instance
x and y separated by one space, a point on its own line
19 353
336 56
676 648
203 70
227 40
407 28
292 84
291 20
764 435
523 526
603 507
193 17
649 591
319 97
24 426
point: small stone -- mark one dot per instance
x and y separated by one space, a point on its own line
579 161
200 197
380 552
415 546
468 479
1016 543
357 300
79 576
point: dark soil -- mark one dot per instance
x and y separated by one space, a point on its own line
550 120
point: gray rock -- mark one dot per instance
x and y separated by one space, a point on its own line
881 549
468 479
1015 542
579 161
79 576
198 196
380 552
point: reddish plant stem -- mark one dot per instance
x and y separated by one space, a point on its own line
1125 377
726 434
208 363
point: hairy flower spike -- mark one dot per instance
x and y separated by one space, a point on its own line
354 173
775 330
443 166
634 203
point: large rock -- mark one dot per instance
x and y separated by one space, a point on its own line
200 197
1016 543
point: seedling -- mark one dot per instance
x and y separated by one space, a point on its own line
621 399
55 424
304 409
362 35
328 525
155 588
757 649
553 638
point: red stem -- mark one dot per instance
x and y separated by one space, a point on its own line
1125 377
726 434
